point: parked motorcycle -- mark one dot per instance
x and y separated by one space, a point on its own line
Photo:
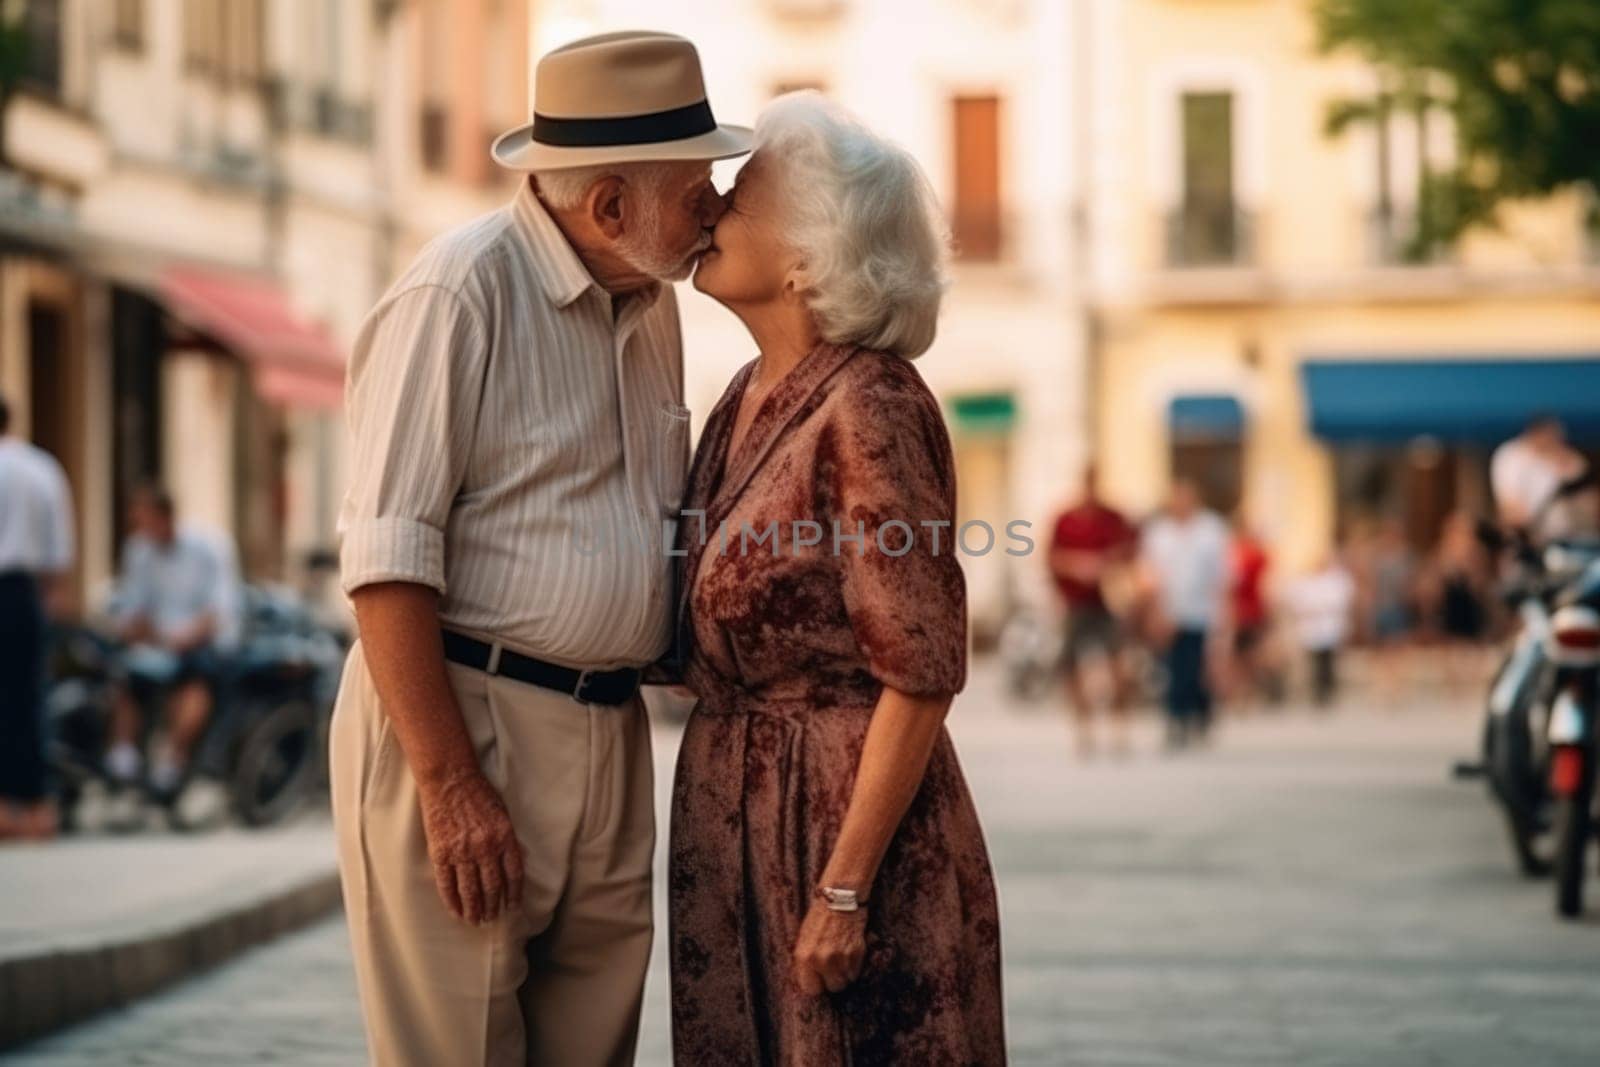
281 692
1030 650
266 735
1573 645
1515 758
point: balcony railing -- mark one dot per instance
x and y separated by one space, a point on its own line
978 233
1203 235
806 9
319 111
334 117
1392 240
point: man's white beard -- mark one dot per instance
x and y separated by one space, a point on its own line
643 252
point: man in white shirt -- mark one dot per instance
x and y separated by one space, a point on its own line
179 596
1526 473
1185 553
36 552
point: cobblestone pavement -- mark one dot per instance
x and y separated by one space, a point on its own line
1308 890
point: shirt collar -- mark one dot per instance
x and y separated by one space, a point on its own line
562 273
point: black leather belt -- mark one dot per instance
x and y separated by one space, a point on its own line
592 687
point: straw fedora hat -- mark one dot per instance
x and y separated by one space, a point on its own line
628 97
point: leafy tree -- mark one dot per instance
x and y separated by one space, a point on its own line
13 62
1520 78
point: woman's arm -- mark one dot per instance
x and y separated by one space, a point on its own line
889 462
904 728
893 760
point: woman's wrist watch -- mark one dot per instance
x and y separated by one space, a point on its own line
839 899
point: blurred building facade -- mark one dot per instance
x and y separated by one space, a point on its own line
1263 320
1163 261
202 200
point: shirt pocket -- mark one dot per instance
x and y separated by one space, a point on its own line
671 457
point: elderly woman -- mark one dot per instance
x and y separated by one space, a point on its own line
831 895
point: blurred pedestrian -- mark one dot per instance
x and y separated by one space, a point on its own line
179 598
36 554
1458 589
1185 552
1527 472
1322 604
1091 539
1249 562
1391 609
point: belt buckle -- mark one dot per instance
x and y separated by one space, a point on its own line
583 683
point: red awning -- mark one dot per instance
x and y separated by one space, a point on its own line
294 362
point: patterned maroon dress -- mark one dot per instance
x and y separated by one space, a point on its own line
788 651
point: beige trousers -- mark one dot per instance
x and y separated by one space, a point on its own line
558 981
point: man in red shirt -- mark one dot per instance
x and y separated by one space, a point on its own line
1091 539
1249 565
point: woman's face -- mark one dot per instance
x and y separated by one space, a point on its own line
749 261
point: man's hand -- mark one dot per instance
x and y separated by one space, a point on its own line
192 636
60 601
137 631
477 861
830 949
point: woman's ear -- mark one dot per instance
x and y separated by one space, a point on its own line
605 204
797 281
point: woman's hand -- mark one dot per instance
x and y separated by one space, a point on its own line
830 949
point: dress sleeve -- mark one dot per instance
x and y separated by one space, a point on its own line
886 463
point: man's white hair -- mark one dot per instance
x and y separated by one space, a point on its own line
865 221
565 189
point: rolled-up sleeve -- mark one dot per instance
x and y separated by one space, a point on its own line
416 378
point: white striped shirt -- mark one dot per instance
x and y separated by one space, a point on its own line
517 445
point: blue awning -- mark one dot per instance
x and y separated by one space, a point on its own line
1205 417
1481 401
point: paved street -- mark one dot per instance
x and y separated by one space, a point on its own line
92 889
1308 891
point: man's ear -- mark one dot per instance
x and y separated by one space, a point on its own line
605 205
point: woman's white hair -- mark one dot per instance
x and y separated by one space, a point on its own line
865 221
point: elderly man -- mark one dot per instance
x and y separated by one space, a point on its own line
519 445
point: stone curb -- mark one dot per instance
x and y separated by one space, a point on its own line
46 991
